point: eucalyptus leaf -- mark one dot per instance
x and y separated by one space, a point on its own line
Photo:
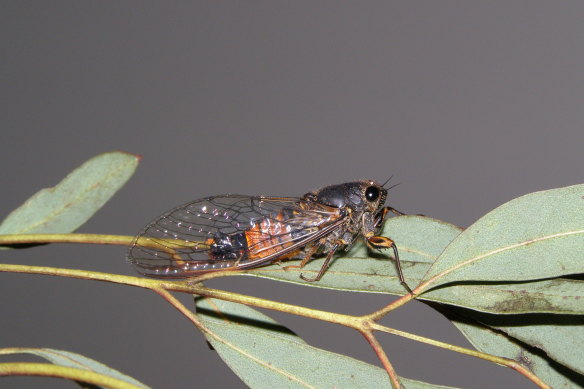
536 236
419 240
560 337
494 342
65 207
264 354
69 359
558 296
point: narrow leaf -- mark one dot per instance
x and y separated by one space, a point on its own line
493 342
75 199
419 240
558 296
265 354
536 236
69 359
560 337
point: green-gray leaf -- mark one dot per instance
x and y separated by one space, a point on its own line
536 236
560 337
558 296
419 240
265 354
69 359
490 341
75 199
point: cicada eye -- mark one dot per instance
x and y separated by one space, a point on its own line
372 193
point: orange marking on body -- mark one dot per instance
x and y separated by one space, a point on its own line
265 238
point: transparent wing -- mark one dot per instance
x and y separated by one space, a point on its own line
179 243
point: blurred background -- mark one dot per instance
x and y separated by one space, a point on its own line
467 104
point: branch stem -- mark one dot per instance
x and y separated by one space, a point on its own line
374 343
364 324
50 370
122 240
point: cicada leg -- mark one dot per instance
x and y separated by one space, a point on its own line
382 242
307 257
309 254
324 266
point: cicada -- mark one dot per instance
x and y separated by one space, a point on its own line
236 232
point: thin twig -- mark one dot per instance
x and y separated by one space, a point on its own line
121 240
395 384
510 363
363 324
50 370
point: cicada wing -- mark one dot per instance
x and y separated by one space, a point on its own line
179 243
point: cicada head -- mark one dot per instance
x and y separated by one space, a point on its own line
359 196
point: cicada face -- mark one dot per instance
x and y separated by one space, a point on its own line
232 232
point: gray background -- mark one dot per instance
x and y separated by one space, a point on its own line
468 104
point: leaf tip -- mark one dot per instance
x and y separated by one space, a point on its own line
138 157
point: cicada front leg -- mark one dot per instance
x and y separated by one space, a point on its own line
382 242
